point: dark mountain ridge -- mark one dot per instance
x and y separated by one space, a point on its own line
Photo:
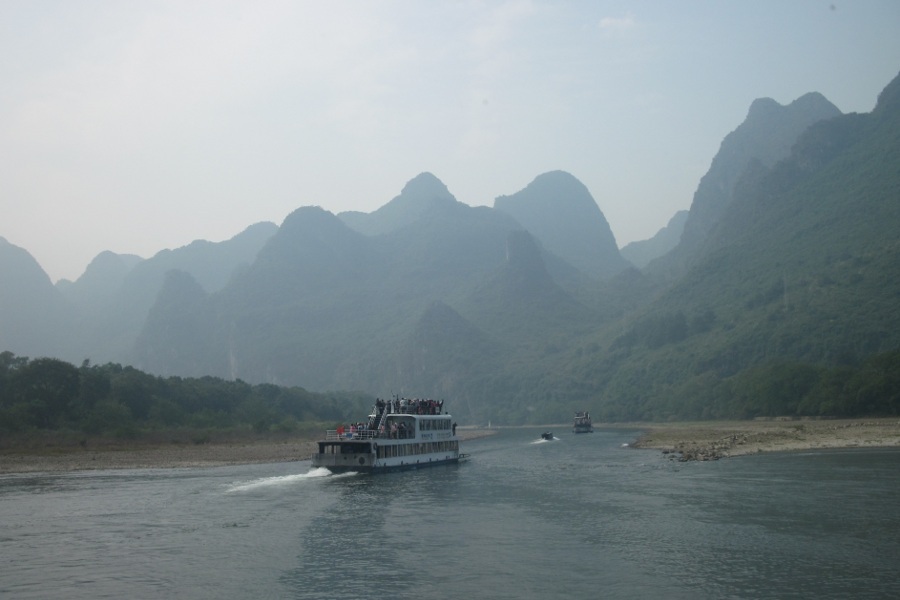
101 279
560 211
422 194
325 304
664 241
31 308
786 286
766 136
802 269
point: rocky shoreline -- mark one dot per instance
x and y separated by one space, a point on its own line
714 440
88 457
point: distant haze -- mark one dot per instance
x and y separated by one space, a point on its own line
134 127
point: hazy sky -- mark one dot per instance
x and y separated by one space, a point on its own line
138 126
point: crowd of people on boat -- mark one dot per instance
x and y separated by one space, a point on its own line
409 406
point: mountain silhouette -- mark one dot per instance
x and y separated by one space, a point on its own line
31 309
783 284
666 239
560 211
766 136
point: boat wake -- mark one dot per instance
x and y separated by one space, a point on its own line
266 482
543 441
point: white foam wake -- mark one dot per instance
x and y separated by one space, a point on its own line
265 482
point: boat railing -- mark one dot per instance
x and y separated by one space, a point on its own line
332 435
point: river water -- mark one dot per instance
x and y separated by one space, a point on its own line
577 517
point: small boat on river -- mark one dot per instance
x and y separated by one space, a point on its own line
399 434
547 435
582 423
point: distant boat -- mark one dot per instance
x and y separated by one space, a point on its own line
582 423
547 435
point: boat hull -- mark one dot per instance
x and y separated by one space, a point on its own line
380 455
389 468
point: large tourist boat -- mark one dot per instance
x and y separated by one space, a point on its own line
399 434
582 423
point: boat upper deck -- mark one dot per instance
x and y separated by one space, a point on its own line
399 419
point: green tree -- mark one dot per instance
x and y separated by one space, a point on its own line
49 387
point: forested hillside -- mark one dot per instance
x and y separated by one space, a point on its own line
796 287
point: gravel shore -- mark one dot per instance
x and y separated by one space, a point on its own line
163 456
721 439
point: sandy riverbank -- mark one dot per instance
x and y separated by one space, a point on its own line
56 458
721 439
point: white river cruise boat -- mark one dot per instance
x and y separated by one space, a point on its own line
400 434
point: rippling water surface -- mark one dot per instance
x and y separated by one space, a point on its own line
577 517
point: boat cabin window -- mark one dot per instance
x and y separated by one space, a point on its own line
400 427
344 448
434 424
402 450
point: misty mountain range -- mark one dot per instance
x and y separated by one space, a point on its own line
527 310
